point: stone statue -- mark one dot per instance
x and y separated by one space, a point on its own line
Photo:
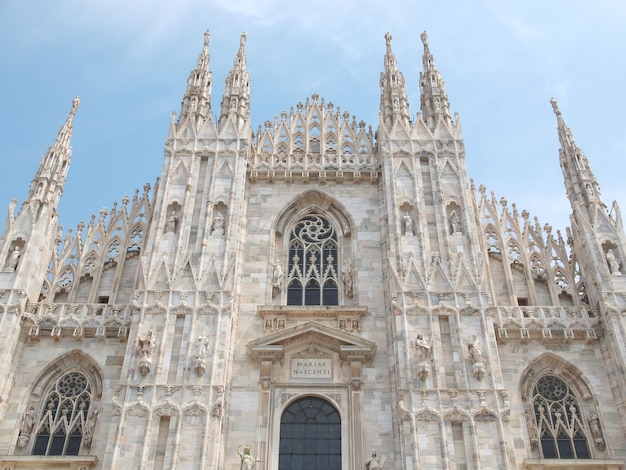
408 225
247 461
475 351
91 421
596 432
218 225
346 277
455 223
144 349
372 462
13 260
26 428
201 344
28 423
423 349
277 279
613 262
172 222
146 344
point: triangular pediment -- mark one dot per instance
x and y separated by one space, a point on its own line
311 334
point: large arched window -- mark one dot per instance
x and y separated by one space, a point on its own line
312 278
560 424
310 436
64 418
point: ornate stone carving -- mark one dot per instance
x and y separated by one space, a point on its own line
423 348
199 362
145 346
247 461
26 428
476 356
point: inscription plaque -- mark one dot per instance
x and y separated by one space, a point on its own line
313 368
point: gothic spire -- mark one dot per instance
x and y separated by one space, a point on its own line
394 105
434 101
236 98
47 185
197 100
580 183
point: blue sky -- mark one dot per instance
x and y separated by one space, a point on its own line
129 60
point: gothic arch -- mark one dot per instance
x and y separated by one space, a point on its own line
63 407
550 363
320 271
562 422
315 200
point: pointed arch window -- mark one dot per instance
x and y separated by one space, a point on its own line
310 436
64 419
560 424
312 278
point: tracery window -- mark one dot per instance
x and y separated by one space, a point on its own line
310 436
312 273
560 424
64 417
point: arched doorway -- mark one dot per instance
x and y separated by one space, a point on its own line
310 436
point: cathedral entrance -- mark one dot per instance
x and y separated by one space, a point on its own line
310 436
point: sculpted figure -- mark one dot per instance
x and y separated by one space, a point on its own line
13 260
146 345
277 279
201 344
247 461
408 225
218 225
475 351
455 223
594 425
28 423
346 277
423 348
613 262
372 463
91 421
172 221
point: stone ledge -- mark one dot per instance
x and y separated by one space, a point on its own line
577 464
43 462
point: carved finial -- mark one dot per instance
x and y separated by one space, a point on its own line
207 36
242 40
424 38
555 107
75 103
388 38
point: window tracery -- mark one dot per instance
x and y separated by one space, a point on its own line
560 425
64 418
312 274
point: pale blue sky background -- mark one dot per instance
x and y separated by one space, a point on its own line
128 60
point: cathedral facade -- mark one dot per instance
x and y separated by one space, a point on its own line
312 294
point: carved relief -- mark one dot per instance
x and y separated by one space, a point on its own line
145 346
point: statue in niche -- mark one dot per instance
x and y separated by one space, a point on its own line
455 223
247 461
277 279
200 350
202 343
613 262
476 356
172 222
423 349
13 260
533 432
90 427
145 346
218 225
372 463
408 225
596 432
26 428
475 351
346 277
